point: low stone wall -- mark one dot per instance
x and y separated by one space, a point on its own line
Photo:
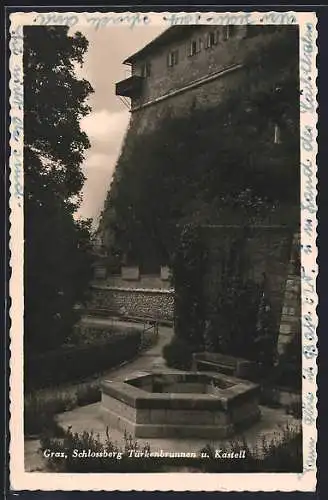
145 281
138 302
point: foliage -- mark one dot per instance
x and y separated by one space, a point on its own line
40 411
270 455
67 364
250 333
284 455
57 247
178 353
188 268
287 371
40 408
265 338
295 409
54 103
196 167
88 394
108 456
234 333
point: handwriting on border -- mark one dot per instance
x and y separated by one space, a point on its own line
16 112
139 19
308 268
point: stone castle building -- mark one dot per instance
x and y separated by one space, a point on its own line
188 67
192 67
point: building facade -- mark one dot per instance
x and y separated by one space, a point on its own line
188 67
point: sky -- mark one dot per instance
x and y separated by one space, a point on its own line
107 123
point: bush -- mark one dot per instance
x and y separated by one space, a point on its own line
178 354
105 456
68 364
295 409
188 269
271 456
89 333
40 411
88 394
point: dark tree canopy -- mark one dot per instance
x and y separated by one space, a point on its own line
57 249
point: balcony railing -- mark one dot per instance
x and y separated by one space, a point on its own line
130 87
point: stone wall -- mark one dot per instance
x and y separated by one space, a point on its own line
290 326
133 302
264 249
144 281
204 96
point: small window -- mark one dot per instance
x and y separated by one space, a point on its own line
277 134
146 69
211 39
228 31
173 58
195 46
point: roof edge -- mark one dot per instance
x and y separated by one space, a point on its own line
171 33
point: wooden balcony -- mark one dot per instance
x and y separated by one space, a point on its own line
130 87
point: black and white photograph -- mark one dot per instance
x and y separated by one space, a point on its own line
167 208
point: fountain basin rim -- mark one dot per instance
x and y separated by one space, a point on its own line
139 398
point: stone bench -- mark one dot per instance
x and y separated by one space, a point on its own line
228 365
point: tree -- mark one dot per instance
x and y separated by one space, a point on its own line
57 247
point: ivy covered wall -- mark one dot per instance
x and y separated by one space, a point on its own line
190 161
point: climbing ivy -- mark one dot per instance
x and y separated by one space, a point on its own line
188 269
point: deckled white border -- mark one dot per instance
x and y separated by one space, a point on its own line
21 480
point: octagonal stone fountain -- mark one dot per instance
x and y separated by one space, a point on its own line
184 404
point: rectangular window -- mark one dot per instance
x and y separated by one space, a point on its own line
228 32
211 39
173 58
146 69
195 46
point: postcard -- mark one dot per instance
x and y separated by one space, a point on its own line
163 251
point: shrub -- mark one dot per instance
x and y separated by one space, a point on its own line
89 333
88 394
189 266
73 363
270 455
178 354
106 456
40 411
287 456
295 409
